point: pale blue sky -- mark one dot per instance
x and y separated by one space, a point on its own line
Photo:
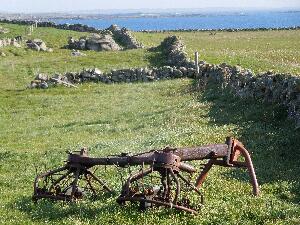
75 5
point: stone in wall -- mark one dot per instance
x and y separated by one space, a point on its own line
114 76
10 42
271 87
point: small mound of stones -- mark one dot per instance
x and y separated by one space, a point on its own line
95 42
110 39
124 37
174 50
38 45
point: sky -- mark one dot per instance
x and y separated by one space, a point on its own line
29 6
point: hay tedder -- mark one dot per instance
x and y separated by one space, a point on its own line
162 177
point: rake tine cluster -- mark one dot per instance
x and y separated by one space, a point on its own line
75 180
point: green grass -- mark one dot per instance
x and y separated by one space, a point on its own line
38 126
260 50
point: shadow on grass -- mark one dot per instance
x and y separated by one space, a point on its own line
156 58
266 133
50 211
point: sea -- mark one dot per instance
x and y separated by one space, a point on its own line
234 20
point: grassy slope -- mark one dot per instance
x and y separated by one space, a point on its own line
36 127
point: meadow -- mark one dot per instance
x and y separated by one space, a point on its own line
37 127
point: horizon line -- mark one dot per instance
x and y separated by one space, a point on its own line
137 10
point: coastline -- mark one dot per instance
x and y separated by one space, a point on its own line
85 28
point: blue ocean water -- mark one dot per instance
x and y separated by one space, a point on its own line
206 21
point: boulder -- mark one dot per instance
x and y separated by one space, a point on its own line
38 45
98 42
96 71
42 77
95 42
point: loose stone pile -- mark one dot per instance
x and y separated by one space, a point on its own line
174 50
111 39
95 42
124 37
38 45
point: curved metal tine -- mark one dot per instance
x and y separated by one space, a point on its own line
59 180
46 174
168 184
163 181
136 177
143 185
66 180
177 187
189 184
244 152
90 184
204 172
100 181
74 184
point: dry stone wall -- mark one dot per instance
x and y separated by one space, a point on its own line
271 87
9 42
115 76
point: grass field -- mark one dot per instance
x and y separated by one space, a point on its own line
38 126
